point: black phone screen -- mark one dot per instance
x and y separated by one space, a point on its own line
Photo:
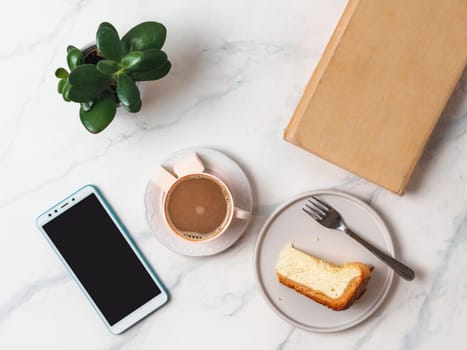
101 258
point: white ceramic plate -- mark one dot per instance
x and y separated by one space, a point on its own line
289 224
231 174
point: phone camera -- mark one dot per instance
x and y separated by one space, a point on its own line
50 214
72 199
55 210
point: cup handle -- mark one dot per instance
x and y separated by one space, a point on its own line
164 179
241 214
190 164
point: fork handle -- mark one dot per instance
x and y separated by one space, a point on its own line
402 270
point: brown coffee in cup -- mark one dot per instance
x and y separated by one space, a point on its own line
198 207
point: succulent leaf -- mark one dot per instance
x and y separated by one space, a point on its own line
61 85
144 36
66 91
152 59
70 48
74 58
153 74
100 115
128 93
87 75
107 67
87 106
61 73
85 94
108 42
132 59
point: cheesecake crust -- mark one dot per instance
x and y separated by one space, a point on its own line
353 291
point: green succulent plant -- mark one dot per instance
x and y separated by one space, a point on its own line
105 76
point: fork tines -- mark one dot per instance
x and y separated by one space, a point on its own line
316 209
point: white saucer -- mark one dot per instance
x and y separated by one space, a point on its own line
227 170
289 224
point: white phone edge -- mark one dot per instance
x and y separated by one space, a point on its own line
138 314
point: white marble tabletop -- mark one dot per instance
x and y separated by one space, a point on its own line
239 69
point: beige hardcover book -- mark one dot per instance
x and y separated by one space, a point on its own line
381 85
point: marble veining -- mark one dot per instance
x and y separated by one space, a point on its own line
283 344
425 315
23 295
239 69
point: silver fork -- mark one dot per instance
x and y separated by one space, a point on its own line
329 217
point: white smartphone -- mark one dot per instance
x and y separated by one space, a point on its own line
102 258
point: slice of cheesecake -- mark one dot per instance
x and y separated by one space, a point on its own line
336 287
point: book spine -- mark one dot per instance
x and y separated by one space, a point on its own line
290 131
